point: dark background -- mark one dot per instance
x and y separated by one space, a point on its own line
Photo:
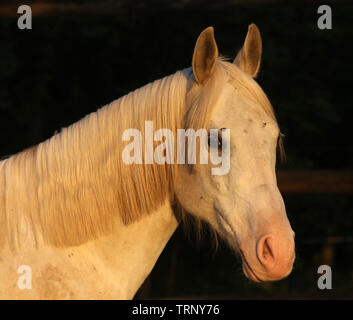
82 55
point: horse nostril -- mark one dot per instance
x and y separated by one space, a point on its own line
265 251
275 254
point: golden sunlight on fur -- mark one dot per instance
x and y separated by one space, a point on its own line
93 226
73 184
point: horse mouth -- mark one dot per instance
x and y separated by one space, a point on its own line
248 271
228 230
229 234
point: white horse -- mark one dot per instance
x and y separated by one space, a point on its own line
88 225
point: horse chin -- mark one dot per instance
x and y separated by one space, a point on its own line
250 274
248 271
226 231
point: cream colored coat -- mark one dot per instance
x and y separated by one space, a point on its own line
90 226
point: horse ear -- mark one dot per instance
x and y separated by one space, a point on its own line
205 56
249 57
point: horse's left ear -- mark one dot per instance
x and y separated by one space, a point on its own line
205 56
249 57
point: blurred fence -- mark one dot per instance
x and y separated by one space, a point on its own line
315 182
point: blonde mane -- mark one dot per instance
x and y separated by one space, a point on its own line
68 189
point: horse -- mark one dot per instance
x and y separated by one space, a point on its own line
86 225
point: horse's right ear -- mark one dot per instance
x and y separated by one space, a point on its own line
205 56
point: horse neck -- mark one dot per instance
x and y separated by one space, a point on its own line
63 192
52 189
125 257
34 188
15 214
130 254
